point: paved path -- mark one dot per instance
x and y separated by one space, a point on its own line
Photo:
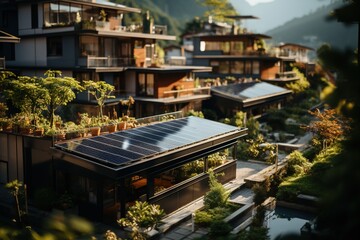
184 230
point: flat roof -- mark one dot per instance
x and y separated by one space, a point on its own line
146 143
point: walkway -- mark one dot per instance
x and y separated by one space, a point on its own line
178 225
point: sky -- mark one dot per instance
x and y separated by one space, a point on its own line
254 2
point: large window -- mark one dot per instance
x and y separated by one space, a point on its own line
89 45
237 67
56 14
224 67
54 46
146 84
256 67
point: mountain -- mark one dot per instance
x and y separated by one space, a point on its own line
275 13
314 30
172 13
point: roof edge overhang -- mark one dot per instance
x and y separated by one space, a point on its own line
173 156
167 101
137 35
111 5
252 101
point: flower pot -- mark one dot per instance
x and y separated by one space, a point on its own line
39 132
112 128
95 131
121 125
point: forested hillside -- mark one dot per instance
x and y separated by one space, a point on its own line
314 29
172 13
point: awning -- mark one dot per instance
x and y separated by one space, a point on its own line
8 38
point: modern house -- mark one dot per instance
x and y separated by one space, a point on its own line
239 60
253 97
233 52
88 40
165 163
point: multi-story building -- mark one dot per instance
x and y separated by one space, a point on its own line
87 40
238 58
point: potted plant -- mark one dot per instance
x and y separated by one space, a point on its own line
6 124
141 218
95 126
112 127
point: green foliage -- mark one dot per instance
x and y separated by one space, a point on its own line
253 127
218 9
254 233
219 228
195 113
101 91
59 91
260 193
259 217
297 164
141 215
217 195
300 85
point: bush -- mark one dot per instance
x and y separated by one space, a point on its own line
219 228
297 164
260 193
203 218
217 196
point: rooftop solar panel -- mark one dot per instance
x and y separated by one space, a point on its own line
124 147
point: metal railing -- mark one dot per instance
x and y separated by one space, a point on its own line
93 61
160 117
187 92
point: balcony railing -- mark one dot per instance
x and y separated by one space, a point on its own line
93 61
187 92
115 26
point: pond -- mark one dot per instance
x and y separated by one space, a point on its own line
284 220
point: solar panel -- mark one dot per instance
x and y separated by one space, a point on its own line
134 144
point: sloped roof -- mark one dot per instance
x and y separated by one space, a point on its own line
8 38
250 92
137 149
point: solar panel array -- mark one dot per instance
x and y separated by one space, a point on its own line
124 147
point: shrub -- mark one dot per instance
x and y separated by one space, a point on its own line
219 228
297 164
260 193
217 196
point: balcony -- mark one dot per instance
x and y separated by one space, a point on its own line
189 92
107 62
114 25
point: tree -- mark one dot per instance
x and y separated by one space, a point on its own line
101 91
17 190
339 207
328 127
59 91
29 96
218 9
300 85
